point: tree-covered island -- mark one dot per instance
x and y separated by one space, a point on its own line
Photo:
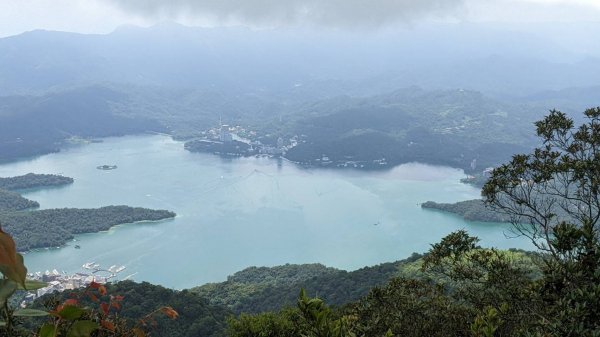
32 180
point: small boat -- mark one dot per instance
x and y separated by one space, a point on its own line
77 247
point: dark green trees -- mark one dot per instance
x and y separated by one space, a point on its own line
552 196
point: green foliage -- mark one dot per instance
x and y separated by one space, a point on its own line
196 316
255 290
449 293
561 176
410 308
487 323
310 318
268 324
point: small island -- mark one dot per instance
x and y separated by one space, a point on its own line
106 167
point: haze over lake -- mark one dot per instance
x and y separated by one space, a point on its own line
232 214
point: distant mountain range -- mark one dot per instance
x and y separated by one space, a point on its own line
303 63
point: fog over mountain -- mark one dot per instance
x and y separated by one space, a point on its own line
337 13
496 59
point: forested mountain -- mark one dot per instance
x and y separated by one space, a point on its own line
196 316
256 290
32 125
448 127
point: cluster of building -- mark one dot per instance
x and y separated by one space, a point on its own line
227 134
59 282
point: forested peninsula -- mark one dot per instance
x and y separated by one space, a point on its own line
55 227
32 180
12 201
471 210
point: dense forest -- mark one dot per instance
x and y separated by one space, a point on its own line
32 180
196 316
271 295
55 227
12 201
255 289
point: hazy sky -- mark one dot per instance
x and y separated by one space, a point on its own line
102 16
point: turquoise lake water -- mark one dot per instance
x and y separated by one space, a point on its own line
232 214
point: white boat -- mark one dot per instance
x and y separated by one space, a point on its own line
88 265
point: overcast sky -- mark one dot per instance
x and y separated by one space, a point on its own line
103 16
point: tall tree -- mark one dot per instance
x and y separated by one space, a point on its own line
552 197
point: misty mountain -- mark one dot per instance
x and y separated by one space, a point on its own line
303 64
32 125
402 125
448 127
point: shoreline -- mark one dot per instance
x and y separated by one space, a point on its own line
66 244
308 166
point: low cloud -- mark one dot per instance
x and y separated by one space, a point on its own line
335 13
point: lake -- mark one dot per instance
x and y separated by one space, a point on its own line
235 213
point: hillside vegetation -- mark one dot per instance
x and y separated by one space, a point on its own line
32 180
11 201
55 227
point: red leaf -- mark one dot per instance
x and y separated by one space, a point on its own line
108 325
169 312
11 262
105 308
70 301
